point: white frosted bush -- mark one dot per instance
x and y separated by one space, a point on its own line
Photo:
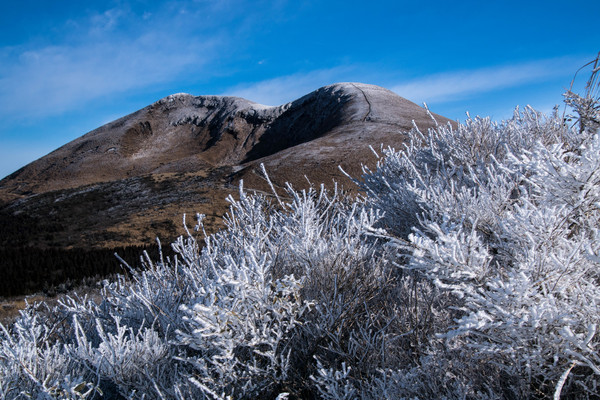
506 217
243 316
34 365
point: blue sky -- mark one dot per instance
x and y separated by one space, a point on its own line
67 67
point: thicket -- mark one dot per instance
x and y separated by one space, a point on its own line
469 270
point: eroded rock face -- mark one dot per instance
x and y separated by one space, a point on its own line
213 139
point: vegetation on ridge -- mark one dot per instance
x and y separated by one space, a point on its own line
470 269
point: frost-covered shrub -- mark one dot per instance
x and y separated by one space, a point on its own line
452 173
247 315
506 217
33 364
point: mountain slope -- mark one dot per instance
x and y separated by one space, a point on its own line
132 179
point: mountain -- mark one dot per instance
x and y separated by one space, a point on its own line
131 180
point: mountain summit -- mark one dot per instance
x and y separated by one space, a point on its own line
185 133
131 179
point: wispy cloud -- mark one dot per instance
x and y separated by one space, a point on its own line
457 85
284 89
436 88
104 54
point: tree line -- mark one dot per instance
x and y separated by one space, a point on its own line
27 270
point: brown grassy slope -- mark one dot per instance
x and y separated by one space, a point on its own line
131 180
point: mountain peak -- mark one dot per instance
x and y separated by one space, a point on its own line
183 132
130 180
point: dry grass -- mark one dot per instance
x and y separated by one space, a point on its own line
10 306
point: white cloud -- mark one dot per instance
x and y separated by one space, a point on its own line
436 88
284 89
107 20
54 79
456 85
108 53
